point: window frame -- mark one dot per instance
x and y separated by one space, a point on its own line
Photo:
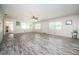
54 25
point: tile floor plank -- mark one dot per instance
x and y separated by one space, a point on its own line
38 44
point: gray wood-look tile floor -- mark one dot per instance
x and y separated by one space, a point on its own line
38 44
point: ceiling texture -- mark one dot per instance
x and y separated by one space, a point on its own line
42 11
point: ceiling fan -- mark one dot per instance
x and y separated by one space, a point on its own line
34 17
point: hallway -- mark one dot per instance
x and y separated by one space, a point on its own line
33 43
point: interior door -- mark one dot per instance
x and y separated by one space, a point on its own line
1 31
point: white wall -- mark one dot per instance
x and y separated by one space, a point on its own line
18 29
66 29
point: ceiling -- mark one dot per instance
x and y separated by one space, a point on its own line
43 11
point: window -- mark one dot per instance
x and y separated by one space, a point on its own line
31 25
28 26
55 25
23 25
52 25
58 25
17 23
37 26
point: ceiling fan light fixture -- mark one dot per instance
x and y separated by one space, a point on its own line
34 19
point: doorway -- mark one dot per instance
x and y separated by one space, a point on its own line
8 27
